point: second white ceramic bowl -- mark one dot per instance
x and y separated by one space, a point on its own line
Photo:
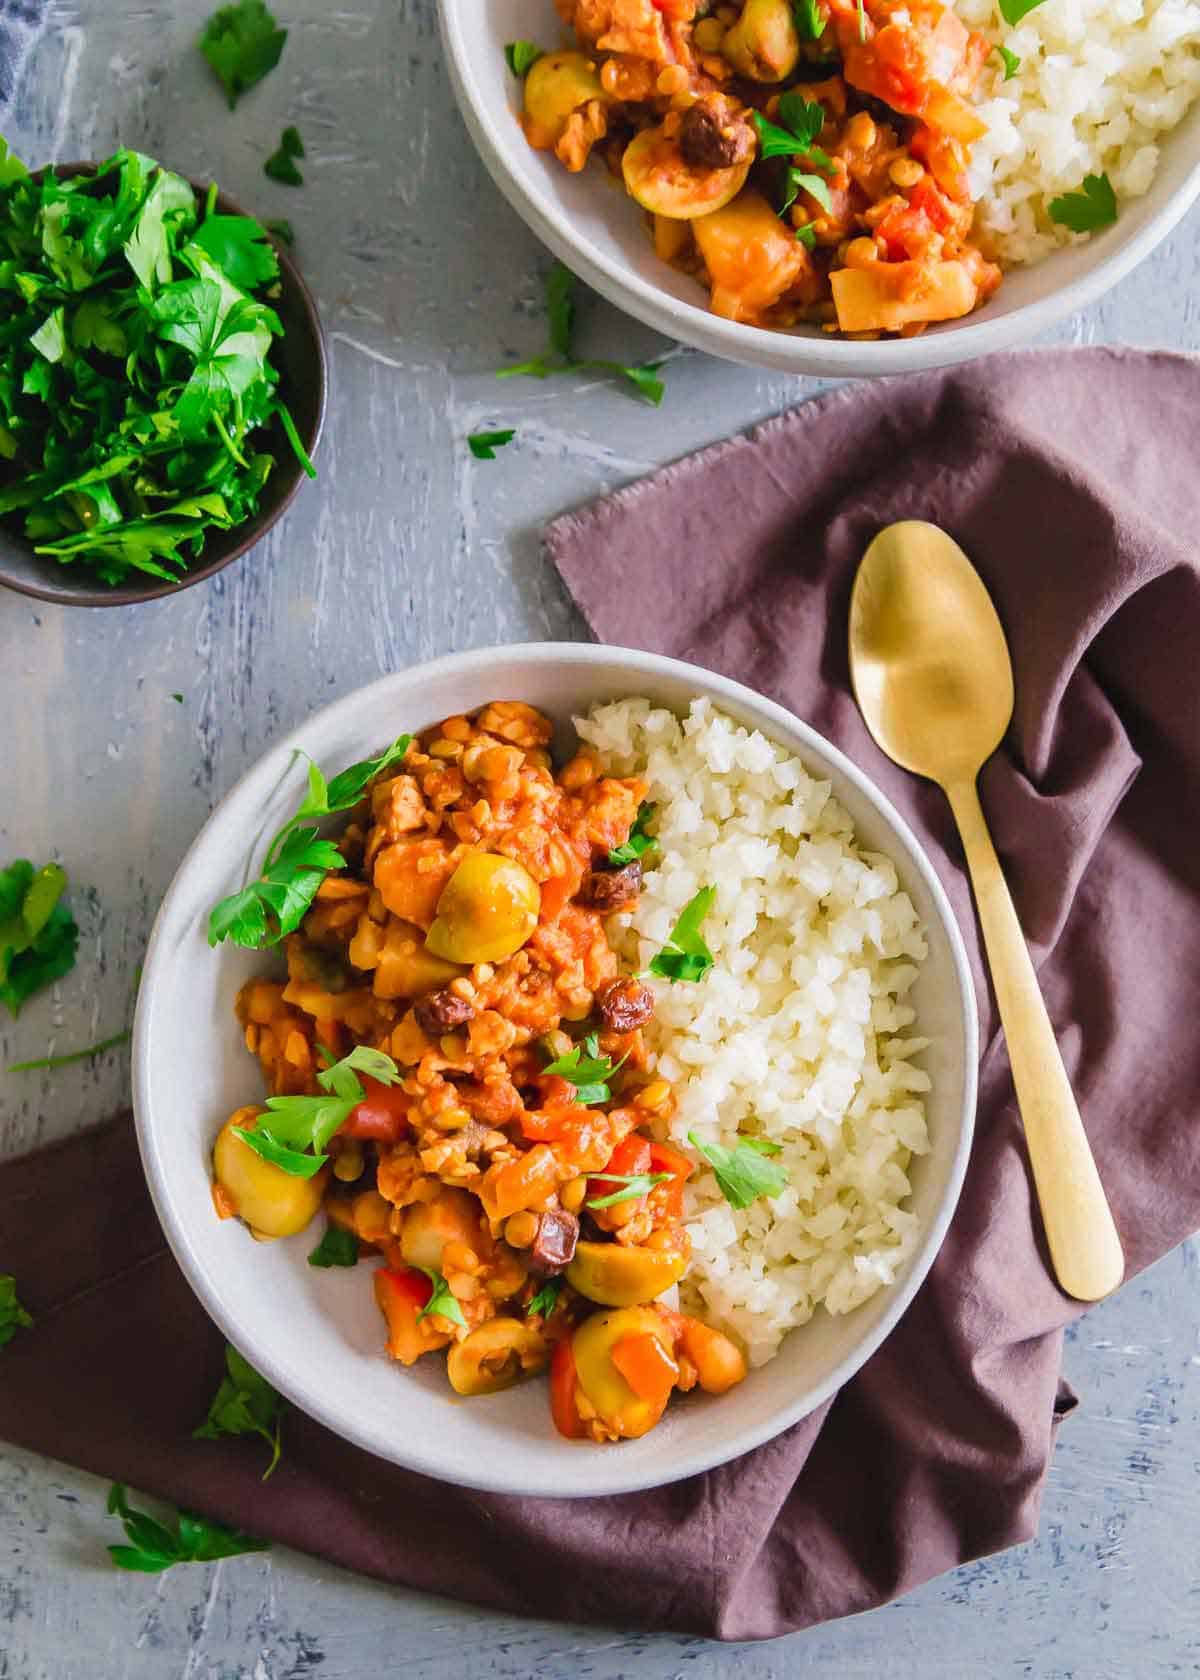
317 1335
589 223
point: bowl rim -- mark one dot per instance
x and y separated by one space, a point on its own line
801 354
607 1478
156 589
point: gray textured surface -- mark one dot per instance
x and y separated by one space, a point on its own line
408 548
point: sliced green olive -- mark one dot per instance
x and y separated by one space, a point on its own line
495 1356
618 1406
558 84
763 43
272 1202
487 910
619 1276
660 179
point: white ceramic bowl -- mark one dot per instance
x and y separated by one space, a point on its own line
598 232
317 1335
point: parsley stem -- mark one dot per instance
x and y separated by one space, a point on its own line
72 1056
227 440
293 437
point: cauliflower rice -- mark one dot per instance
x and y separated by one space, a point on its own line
799 1033
1100 83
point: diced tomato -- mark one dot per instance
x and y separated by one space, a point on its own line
382 1114
406 1283
401 1292
632 1155
928 200
665 1159
562 1392
944 159
646 1366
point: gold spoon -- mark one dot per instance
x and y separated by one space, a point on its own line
933 679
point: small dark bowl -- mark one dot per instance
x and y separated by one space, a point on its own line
301 359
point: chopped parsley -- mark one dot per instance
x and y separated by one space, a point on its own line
586 1069
546 1299
803 120
242 43
560 316
521 56
634 1186
295 1131
1010 61
798 180
685 956
1083 212
13 1316
810 24
338 1247
443 1301
153 1546
245 1404
70 1056
743 1174
483 445
281 165
38 935
1012 11
639 841
297 860
807 235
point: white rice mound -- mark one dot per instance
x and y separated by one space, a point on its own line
1100 83
799 1033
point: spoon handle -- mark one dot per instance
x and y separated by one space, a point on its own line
1084 1244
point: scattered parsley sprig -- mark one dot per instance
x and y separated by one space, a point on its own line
521 56
153 1546
297 860
560 314
639 841
72 1055
483 445
38 935
802 121
281 165
295 1131
1084 212
338 1247
242 43
586 1069
13 1316
745 1173
685 956
1012 11
1010 60
443 1301
245 1404
810 22
633 1187
546 1299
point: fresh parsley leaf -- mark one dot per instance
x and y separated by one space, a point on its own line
639 841
1083 212
546 1299
1010 61
281 166
338 1247
809 118
586 1069
240 248
38 936
685 956
443 1301
178 698
154 1546
804 117
245 1404
816 185
635 1185
810 22
807 235
560 307
483 445
521 56
297 860
763 1146
72 1055
295 1131
560 314
1012 11
13 1316
242 43
282 229
743 1174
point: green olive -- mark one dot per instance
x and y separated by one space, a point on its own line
617 1405
495 1356
763 43
558 84
273 1203
619 1276
660 179
487 910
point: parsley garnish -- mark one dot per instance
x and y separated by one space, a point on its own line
154 1547
560 314
810 24
72 1055
521 56
280 166
685 956
245 1404
1010 61
1012 11
483 445
296 1130
13 1316
242 43
338 1247
804 120
635 1186
1094 207
443 1301
814 184
862 21
587 1070
807 235
639 842
743 1174
135 367
546 1299
297 860
38 935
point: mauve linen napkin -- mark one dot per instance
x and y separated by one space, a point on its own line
1070 479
